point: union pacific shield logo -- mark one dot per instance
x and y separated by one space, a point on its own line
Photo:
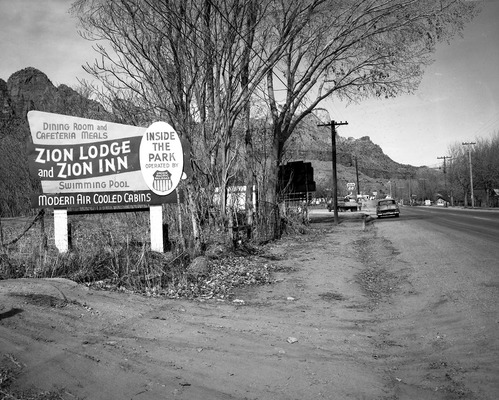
161 158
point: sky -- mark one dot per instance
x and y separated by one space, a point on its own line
457 101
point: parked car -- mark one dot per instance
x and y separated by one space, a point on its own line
387 208
344 204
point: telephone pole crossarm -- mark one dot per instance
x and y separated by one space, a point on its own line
444 158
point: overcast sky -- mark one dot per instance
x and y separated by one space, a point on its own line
458 99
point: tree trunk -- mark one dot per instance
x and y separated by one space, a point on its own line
180 223
249 180
272 172
196 236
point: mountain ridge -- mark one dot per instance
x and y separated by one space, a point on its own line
311 143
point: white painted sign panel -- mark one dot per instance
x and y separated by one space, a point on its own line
83 162
161 158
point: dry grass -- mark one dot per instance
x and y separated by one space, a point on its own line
112 247
112 252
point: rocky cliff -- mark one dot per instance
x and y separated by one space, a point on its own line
30 89
26 90
313 144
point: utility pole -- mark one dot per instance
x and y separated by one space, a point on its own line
333 125
410 190
451 181
445 174
469 144
357 174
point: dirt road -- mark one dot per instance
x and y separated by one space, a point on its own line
343 320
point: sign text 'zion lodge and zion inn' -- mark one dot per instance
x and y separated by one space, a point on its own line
84 163
88 163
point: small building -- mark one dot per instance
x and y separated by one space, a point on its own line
235 197
441 201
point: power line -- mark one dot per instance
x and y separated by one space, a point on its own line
489 125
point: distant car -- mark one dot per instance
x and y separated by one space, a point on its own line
387 208
344 204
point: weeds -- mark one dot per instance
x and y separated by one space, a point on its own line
112 252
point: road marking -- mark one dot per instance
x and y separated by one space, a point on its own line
486 219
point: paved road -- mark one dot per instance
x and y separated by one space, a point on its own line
466 240
443 322
481 224
451 258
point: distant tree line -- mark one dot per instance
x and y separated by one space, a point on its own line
485 171
452 181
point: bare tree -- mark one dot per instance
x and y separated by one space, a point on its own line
353 50
485 168
194 63
145 63
459 176
173 60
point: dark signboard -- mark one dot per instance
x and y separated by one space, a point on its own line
296 177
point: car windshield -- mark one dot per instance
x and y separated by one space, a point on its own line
386 202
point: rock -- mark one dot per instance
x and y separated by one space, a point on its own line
30 89
199 267
216 251
6 110
291 340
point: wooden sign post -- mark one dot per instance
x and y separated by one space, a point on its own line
156 219
61 230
